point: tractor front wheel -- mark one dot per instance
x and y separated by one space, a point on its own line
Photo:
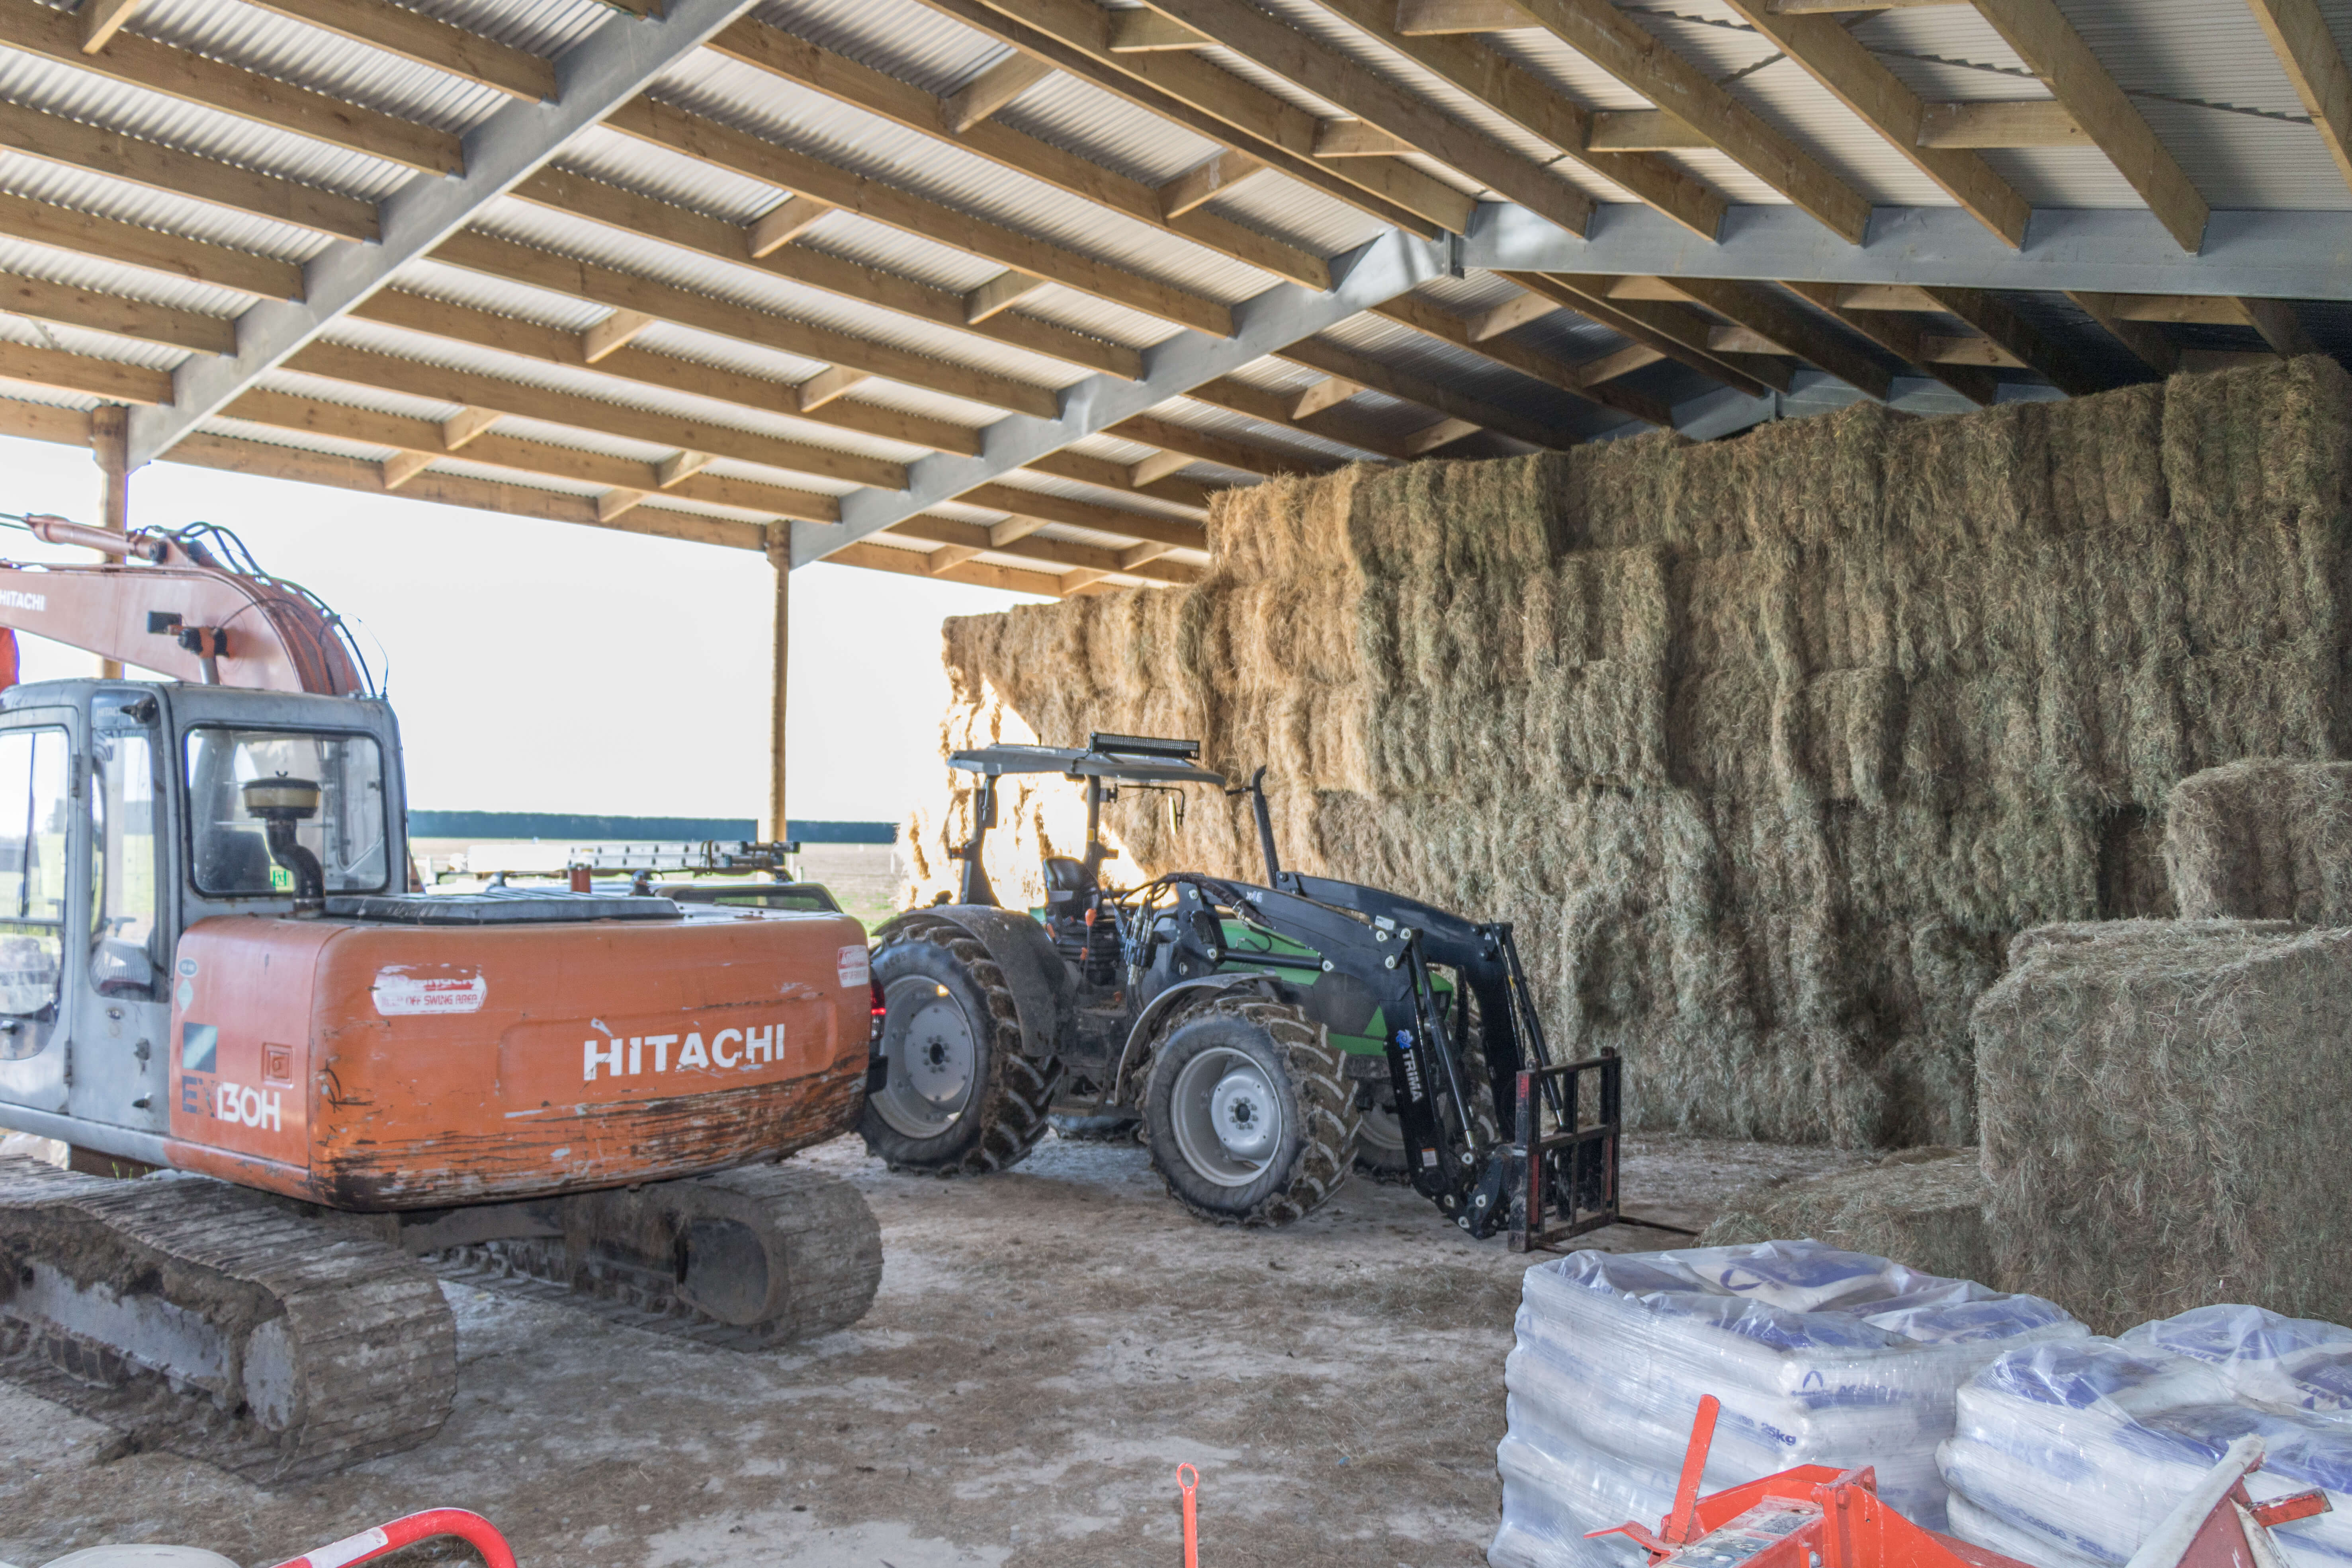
957 1098
1249 1113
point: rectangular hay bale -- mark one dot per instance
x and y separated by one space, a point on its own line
2262 839
2160 1117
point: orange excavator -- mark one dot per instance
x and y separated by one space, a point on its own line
211 963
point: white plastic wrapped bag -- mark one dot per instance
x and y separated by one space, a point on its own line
2067 1455
1819 1356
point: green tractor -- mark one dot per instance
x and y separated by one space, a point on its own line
1267 1038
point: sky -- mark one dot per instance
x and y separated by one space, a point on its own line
551 667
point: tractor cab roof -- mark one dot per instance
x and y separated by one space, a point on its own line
1115 759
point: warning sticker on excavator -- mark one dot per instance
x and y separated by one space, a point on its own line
855 967
398 993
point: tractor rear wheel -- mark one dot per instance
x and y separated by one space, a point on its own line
959 1098
1249 1113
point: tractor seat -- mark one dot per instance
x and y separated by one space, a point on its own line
1067 884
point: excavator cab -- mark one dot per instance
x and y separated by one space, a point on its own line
130 812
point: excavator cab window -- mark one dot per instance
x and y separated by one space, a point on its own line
228 846
125 942
34 766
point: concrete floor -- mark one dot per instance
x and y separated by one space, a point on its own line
1047 1346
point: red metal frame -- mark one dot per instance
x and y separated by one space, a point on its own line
1835 1517
407 1530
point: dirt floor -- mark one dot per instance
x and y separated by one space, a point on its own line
1047 1346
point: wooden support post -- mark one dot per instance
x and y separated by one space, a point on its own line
779 557
109 441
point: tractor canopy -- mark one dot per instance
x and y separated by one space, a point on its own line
1113 758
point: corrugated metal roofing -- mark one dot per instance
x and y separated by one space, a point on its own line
61 89
312 57
24 258
149 209
96 345
545 27
2197 71
786 113
647 256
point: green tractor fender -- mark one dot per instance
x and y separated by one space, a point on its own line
1164 1010
1043 996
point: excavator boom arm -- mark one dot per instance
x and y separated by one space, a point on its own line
180 615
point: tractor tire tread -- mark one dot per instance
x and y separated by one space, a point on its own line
1319 1071
1013 1109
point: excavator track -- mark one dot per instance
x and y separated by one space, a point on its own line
211 1321
746 1259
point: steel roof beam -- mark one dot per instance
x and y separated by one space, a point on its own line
2247 254
1263 325
594 77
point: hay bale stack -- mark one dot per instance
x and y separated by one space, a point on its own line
1924 1208
2160 1123
1769 746
2264 839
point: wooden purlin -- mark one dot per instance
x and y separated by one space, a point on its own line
416 38
1670 331
664 221
2049 45
1539 109
1620 46
417 378
1779 319
1901 336
913 563
67 306
1434 321
1287 53
433 440
1858 78
1331 359
132 244
1076 35
53 35
1993 316
821 70
689 308
156 167
71 427
978 540
508 334
665 125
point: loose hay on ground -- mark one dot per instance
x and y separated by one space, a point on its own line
1923 1207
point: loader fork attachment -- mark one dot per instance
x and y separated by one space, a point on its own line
1482 1181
